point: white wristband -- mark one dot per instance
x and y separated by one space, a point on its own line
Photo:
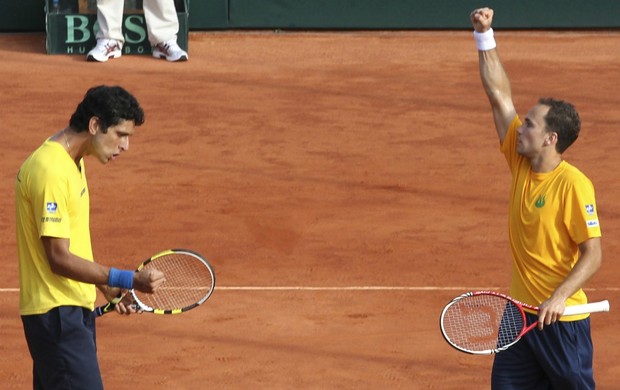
485 41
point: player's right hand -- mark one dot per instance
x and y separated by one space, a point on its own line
147 280
481 18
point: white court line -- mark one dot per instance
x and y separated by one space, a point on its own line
346 288
335 288
378 288
356 288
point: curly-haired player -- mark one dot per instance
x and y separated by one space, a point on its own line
57 272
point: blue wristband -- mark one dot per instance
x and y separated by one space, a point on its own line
120 278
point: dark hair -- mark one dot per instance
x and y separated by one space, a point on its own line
110 104
562 119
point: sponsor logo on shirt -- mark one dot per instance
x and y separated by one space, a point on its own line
590 209
51 219
592 223
51 207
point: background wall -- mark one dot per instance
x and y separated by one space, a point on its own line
28 15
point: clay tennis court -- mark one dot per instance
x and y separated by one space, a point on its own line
344 186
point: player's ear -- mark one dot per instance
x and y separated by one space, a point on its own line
551 138
94 125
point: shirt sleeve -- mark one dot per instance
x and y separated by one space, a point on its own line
581 214
50 204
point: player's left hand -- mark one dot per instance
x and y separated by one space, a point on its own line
126 305
550 311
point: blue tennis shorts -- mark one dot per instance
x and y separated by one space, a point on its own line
62 343
558 357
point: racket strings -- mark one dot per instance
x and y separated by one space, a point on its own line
482 323
188 282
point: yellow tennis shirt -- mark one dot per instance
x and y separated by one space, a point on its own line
51 199
550 215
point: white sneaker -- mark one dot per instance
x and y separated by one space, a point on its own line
170 51
105 49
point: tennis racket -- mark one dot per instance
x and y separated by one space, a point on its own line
190 281
487 322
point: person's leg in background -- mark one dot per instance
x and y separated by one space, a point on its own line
162 24
110 37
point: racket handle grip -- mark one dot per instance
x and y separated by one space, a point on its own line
108 307
99 311
594 307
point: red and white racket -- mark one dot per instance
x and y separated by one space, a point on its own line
487 322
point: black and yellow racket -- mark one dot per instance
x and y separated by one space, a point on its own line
190 281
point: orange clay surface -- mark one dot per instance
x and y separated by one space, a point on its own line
345 186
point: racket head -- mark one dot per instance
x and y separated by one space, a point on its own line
190 281
482 322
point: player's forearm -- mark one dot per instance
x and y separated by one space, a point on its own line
497 87
494 78
82 270
586 267
64 263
